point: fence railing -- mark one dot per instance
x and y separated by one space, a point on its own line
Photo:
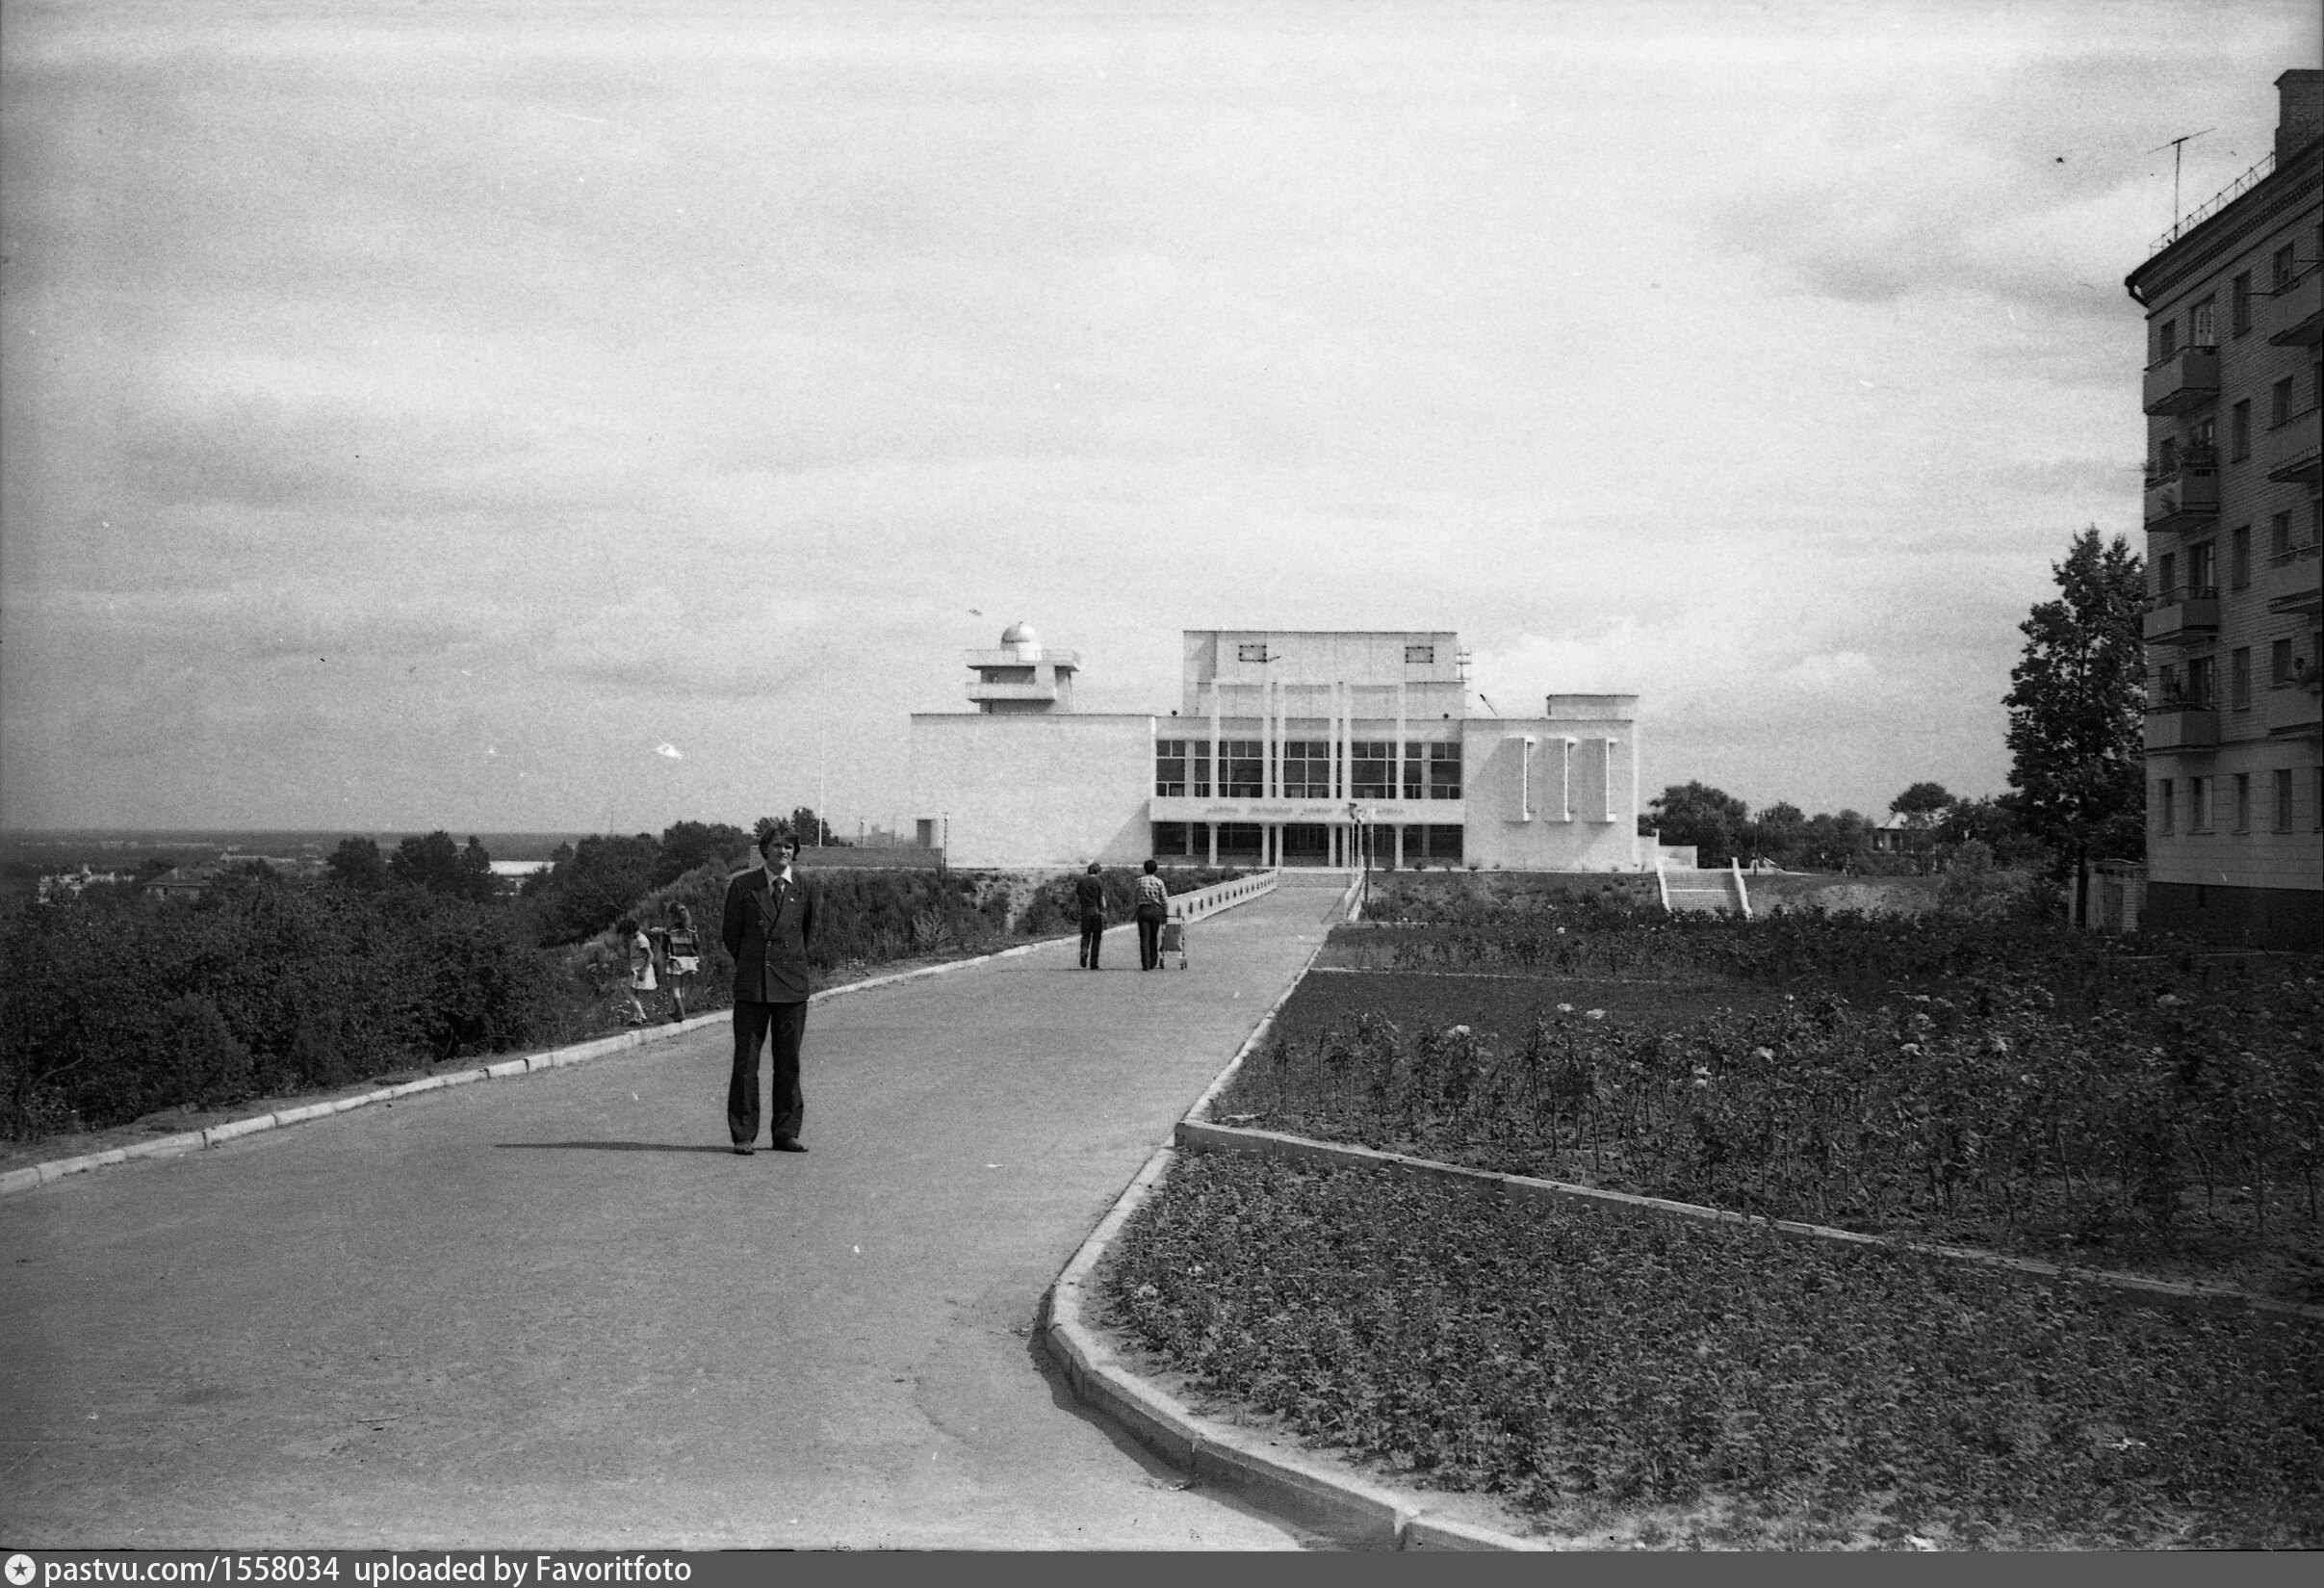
1220 896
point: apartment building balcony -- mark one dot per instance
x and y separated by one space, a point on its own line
2181 615
2178 728
2295 313
2185 498
2293 711
2290 450
2294 584
2184 381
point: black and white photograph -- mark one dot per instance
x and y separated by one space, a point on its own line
1044 778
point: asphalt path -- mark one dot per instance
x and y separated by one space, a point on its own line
557 1311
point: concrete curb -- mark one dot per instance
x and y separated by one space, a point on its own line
1283 1479
42 1174
1201 1135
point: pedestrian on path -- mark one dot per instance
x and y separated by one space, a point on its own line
1152 906
638 950
680 956
1089 892
769 921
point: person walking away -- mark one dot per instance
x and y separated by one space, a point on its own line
681 957
1089 892
767 925
639 953
1152 906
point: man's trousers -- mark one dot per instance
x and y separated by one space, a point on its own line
781 1025
1092 939
1149 936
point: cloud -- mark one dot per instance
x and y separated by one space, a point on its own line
1839 673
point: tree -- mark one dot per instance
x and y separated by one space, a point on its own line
686 845
1777 833
589 890
357 864
1710 819
441 866
1922 802
812 831
2076 710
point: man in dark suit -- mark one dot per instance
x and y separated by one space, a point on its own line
769 921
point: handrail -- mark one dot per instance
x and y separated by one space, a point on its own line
1220 896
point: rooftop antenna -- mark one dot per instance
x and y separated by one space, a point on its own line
2178 147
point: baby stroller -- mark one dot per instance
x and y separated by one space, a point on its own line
1174 940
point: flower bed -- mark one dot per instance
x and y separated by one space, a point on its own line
1987 1120
1716 1385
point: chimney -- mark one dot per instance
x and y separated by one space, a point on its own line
2301 120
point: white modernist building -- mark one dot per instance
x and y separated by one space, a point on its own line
1287 748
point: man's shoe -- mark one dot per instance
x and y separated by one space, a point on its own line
742 1151
789 1144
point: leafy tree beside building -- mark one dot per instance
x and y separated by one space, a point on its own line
2077 708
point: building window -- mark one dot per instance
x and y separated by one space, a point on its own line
1239 838
2166 337
2239 558
1440 842
2280 403
1374 769
1242 768
1307 768
1416 772
1182 768
2203 571
2281 275
1170 768
1420 655
2243 802
2284 800
2279 663
2240 432
2198 803
2239 678
1173 838
1252 653
2240 304
2166 576
2203 681
2198 326
1444 771
2316 804
2163 811
2278 536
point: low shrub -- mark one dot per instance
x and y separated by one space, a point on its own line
1780 1393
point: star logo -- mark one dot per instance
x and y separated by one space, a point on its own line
19 1569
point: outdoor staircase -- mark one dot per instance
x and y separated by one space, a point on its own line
1704 892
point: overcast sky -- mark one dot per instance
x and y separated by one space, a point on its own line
438 414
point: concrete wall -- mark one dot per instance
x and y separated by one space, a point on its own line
1024 790
2266 853
2262 918
1583 798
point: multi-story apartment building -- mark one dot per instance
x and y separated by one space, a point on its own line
2234 522
1287 747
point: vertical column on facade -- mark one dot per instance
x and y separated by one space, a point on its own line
1267 739
1395 762
1218 769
